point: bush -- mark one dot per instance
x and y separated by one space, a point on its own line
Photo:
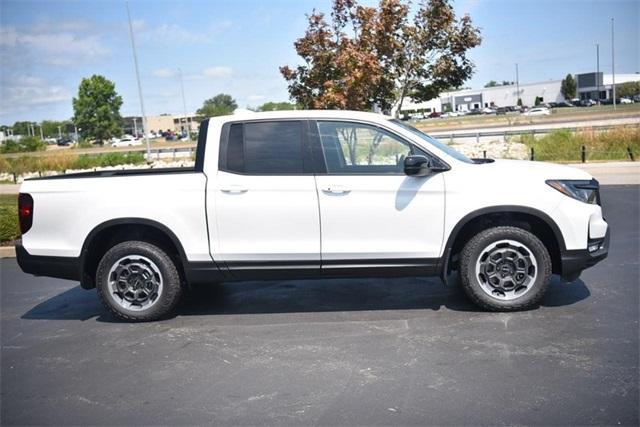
26 144
563 145
9 227
62 162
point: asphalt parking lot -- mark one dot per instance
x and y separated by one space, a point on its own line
335 352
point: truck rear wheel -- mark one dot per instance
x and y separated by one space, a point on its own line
505 269
138 281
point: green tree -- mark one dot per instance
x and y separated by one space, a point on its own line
220 105
568 87
50 127
21 128
277 106
97 108
492 83
366 56
628 89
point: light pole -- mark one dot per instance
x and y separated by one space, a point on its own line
135 127
518 101
59 132
598 70
613 66
41 133
184 107
135 61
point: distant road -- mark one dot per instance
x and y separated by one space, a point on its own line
537 126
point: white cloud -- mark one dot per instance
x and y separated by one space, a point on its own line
217 72
53 47
24 92
174 33
164 72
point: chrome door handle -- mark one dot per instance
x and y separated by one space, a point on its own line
336 189
234 189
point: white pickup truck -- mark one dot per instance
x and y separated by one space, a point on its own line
304 194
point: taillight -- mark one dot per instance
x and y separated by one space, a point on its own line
25 211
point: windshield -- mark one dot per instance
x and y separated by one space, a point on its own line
430 140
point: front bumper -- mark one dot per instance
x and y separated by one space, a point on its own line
51 266
574 262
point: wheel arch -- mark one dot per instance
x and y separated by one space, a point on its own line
114 231
530 219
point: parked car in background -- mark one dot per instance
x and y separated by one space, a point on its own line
561 104
64 142
434 115
474 112
278 195
126 141
488 110
626 101
449 114
51 141
588 103
537 111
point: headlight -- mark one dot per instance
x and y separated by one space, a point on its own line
585 191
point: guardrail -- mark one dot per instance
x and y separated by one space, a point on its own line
507 133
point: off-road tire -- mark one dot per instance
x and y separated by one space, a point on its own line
474 249
171 289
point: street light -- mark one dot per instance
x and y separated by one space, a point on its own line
184 107
135 61
613 65
518 101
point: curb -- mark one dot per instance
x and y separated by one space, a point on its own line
7 252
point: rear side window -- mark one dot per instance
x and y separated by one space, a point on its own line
269 148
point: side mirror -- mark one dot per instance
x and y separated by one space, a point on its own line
416 166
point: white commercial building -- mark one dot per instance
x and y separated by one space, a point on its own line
588 85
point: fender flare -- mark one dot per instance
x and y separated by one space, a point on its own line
129 221
446 253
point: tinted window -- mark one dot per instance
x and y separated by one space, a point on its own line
235 148
265 148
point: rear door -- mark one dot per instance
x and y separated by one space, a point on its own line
266 205
372 214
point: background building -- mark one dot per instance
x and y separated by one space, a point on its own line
162 123
506 96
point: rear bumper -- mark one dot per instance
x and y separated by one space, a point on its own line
51 266
574 262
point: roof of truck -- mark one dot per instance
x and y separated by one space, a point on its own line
303 114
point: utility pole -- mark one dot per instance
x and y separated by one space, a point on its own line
517 85
184 107
135 127
613 66
59 132
598 70
135 61
41 133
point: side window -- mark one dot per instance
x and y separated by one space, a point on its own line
354 148
265 148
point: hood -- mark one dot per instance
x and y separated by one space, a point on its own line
539 170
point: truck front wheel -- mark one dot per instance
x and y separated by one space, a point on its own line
505 269
138 281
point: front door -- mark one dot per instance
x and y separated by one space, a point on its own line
371 213
266 206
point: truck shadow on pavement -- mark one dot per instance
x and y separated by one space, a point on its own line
302 296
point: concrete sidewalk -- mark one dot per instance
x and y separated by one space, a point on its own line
612 173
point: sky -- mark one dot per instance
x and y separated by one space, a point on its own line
236 47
